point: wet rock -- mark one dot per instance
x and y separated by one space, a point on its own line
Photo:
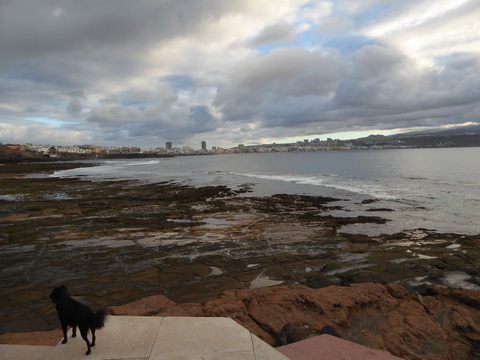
360 238
329 330
341 221
292 332
379 209
397 291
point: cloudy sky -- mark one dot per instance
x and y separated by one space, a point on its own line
140 73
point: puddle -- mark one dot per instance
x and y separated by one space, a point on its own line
453 246
348 257
210 237
215 271
263 281
415 243
16 197
57 196
345 269
25 217
399 261
156 241
213 223
105 242
458 279
181 221
426 257
403 243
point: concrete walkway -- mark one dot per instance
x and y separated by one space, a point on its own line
188 338
149 338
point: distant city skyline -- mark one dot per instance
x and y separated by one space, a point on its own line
457 137
119 73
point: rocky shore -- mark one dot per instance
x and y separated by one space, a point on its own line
116 242
434 324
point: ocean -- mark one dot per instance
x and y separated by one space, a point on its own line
435 189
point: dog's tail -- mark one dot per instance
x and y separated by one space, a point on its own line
99 319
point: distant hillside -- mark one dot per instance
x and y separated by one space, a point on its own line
16 154
457 130
462 136
457 136
441 140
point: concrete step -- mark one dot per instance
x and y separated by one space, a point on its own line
327 347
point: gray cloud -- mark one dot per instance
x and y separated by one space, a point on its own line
42 27
402 95
155 113
279 32
71 44
374 61
75 105
286 86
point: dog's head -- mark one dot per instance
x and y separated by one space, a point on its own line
57 293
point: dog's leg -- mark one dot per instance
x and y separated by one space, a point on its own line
64 328
92 330
74 331
84 333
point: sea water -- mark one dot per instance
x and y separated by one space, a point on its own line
437 189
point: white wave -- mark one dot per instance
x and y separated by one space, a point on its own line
297 179
365 189
151 162
331 181
83 171
12 197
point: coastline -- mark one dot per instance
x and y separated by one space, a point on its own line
116 242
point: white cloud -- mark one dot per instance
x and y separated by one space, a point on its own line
425 30
40 134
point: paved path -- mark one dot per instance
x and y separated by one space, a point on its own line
188 338
149 338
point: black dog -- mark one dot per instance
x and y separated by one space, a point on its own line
72 313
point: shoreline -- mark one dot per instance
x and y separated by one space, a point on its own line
117 242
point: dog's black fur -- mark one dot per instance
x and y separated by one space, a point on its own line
72 313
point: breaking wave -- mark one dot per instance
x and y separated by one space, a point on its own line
331 181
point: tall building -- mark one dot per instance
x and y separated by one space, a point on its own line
204 145
169 145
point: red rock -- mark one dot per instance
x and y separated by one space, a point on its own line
39 338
